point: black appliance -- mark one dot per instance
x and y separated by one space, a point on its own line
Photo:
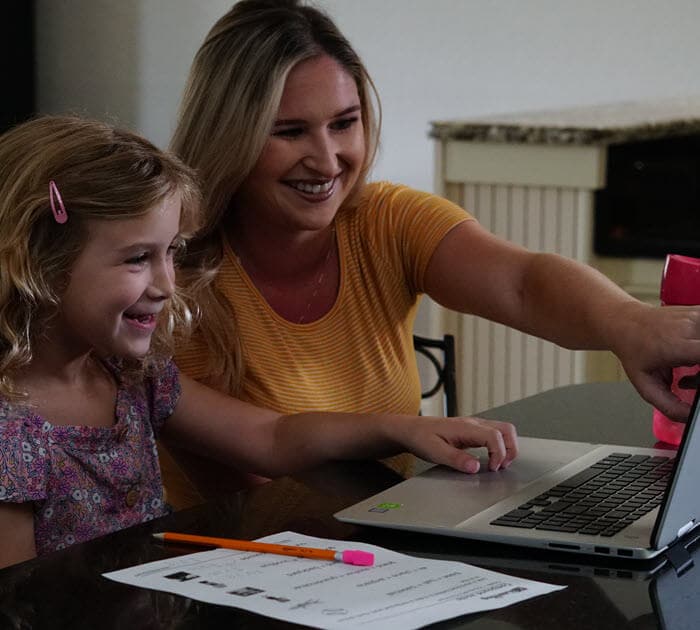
650 205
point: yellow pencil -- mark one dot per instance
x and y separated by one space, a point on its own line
362 558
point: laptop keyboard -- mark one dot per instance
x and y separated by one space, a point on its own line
600 500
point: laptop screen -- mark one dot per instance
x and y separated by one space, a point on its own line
680 508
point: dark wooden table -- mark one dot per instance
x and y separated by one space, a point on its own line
66 590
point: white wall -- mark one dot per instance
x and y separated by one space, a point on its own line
431 59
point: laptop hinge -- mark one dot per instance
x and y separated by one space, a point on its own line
679 557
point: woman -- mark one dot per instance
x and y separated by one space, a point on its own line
308 278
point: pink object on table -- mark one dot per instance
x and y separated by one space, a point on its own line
360 558
680 285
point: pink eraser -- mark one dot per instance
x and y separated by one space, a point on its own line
363 558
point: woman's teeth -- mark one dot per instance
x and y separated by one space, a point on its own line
313 189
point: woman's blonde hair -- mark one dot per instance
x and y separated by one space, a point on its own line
228 109
101 173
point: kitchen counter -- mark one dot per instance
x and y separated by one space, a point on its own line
591 125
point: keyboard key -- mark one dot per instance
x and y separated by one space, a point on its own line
516 514
550 527
580 478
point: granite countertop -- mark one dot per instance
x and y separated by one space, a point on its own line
597 124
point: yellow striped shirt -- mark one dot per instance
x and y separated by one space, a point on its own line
359 356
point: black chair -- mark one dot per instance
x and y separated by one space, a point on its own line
444 367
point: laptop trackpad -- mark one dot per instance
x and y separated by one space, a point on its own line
441 496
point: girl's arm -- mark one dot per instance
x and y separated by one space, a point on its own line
571 304
265 442
17 539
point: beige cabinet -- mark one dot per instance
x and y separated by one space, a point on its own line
540 196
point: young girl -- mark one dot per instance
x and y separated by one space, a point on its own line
91 220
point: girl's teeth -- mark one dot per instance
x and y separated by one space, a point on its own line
313 189
141 318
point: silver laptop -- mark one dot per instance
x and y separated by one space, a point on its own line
605 500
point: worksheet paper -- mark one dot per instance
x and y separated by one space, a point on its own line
399 592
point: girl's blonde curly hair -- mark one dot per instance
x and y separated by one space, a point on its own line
102 173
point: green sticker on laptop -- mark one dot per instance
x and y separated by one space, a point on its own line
385 507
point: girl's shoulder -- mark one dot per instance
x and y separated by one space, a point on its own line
24 451
154 372
17 434
153 387
17 419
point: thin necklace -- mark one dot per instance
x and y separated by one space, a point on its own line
321 277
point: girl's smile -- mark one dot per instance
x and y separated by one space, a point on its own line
144 321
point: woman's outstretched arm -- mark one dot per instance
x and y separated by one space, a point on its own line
564 301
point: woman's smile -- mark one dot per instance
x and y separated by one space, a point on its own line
313 190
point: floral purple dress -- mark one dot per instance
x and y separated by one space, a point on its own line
88 481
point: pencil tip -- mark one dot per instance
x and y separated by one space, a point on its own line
158 536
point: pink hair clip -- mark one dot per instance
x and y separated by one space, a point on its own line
57 207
